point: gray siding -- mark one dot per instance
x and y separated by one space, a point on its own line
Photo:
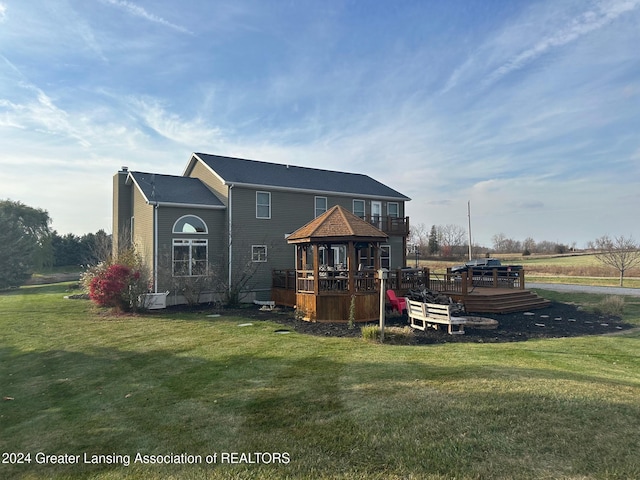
216 236
289 211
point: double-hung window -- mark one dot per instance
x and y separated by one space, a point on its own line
320 206
263 205
393 209
358 208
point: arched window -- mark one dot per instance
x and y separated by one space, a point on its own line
189 224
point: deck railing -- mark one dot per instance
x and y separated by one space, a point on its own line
494 278
400 280
389 225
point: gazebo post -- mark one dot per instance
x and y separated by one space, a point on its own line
316 268
351 266
376 263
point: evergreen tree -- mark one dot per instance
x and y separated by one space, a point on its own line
434 246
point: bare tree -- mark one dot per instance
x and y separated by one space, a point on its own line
529 245
452 238
419 236
621 253
191 287
499 242
503 244
101 248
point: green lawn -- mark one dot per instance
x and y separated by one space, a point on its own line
76 381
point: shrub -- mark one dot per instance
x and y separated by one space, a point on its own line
352 312
87 276
117 284
371 333
109 288
611 305
392 335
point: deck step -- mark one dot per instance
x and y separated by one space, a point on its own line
517 301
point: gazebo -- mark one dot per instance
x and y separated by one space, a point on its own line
337 260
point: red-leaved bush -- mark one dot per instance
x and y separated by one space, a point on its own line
110 288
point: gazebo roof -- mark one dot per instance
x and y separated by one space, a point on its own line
337 224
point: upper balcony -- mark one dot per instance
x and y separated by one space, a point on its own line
389 225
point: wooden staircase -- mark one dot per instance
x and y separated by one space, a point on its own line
493 300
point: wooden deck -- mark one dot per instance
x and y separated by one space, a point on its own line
498 300
489 294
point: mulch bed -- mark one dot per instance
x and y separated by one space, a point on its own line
556 321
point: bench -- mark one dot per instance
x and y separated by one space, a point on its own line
425 315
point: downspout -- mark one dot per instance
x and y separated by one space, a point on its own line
230 217
155 249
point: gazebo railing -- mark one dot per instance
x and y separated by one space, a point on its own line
400 280
336 281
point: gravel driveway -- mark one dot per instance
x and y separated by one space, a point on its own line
562 287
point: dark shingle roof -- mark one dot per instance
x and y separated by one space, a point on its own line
251 172
171 189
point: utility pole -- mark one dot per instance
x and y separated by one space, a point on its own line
469 215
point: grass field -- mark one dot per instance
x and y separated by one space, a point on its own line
78 381
580 269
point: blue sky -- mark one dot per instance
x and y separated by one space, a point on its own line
529 110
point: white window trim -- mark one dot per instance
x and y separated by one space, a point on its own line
315 206
253 253
364 207
376 219
206 228
190 242
397 209
269 205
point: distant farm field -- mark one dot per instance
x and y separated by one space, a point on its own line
579 269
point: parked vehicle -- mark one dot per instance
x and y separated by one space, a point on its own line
487 265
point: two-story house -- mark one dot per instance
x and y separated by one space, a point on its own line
232 216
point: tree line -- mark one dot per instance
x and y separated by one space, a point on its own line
28 244
452 241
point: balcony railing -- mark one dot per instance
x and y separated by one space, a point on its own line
389 225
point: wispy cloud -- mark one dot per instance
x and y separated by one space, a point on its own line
579 26
536 34
3 11
172 126
138 11
41 114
